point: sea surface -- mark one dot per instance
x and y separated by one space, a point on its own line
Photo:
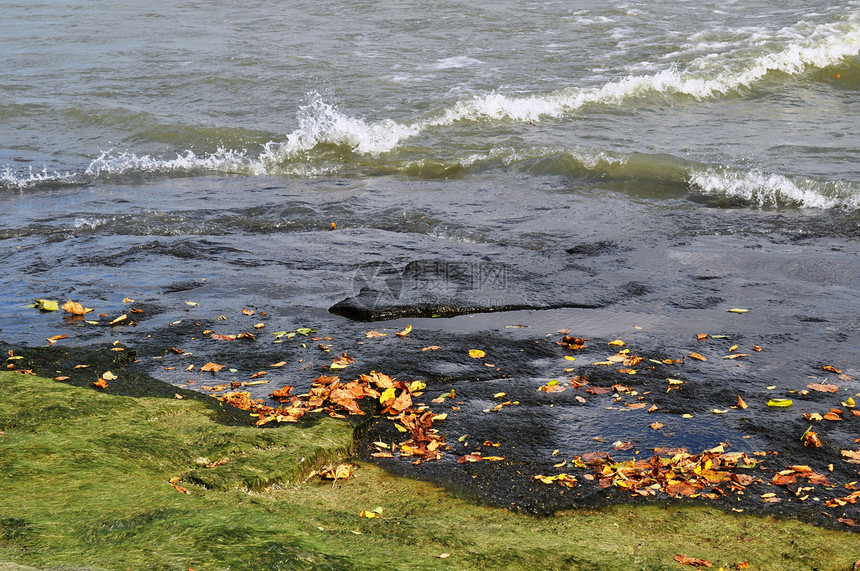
617 169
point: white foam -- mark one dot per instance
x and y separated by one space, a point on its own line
456 62
705 77
766 189
31 178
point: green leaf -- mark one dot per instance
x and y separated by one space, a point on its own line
305 331
780 403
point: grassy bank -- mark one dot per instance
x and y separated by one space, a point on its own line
85 481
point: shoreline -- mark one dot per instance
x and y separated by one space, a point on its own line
122 473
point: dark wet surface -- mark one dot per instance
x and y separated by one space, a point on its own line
652 275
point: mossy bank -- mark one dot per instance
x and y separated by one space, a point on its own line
85 481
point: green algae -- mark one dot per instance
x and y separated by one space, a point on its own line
84 478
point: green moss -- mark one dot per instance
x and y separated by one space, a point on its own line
84 481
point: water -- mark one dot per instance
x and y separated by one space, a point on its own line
592 166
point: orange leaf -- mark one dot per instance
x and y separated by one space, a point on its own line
741 403
831 369
697 357
101 383
278 364
73 307
55 338
211 367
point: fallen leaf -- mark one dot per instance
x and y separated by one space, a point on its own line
55 338
780 403
697 356
741 404
211 367
372 334
47 305
74 308
831 369
617 343
736 310
406 331
278 364
476 353
823 388
122 317
108 376
701 336
443 555
695 562
656 425
101 383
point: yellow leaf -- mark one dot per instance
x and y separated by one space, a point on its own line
569 358
717 411
476 353
416 386
780 403
387 395
405 332
617 343
686 416
367 514
442 416
499 395
400 428
192 303
108 376
122 317
736 310
47 305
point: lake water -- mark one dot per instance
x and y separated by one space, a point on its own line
621 169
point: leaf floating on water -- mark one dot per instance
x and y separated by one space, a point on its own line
697 357
119 319
75 308
736 310
47 305
780 403
741 404
476 354
831 369
192 303
617 343
372 334
211 367
55 338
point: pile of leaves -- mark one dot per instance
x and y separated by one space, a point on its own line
330 395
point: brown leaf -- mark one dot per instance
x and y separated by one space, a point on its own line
823 388
220 337
831 369
371 334
211 367
695 562
741 403
656 425
812 439
847 521
697 356
851 456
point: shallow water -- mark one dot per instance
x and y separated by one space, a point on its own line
628 170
